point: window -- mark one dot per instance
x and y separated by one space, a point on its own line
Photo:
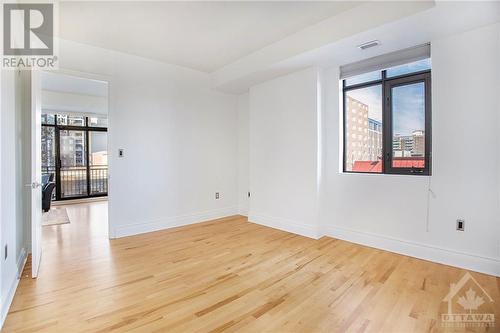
366 103
70 120
74 154
362 78
48 119
387 114
98 121
412 67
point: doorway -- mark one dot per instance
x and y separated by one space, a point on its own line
74 136
66 129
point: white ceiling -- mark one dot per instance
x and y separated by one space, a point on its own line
243 43
405 25
200 35
65 94
71 84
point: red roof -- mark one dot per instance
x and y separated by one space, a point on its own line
376 166
367 166
408 163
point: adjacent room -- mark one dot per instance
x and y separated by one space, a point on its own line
253 166
74 153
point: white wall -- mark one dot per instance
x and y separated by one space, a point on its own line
467 161
283 153
2 296
179 136
392 212
13 227
243 154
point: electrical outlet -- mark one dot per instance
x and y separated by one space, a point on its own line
121 152
460 225
217 196
5 252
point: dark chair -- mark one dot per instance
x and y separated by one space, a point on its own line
46 178
47 195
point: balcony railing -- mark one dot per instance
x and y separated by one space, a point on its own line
98 179
74 181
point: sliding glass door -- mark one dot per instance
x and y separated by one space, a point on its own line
74 155
72 164
98 162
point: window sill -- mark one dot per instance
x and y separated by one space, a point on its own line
382 174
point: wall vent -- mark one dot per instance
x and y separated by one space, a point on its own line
369 44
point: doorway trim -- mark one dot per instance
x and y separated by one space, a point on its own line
109 80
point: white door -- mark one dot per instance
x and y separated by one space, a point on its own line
35 120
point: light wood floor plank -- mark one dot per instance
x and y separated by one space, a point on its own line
226 275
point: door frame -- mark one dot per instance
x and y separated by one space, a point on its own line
110 104
33 89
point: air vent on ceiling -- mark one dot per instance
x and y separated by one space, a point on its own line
369 44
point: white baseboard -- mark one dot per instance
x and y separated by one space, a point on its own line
467 261
21 261
284 224
79 201
174 221
243 211
7 300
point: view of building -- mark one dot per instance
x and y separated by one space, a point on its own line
374 139
72 148
363 134
48 147
364 142
409 145
99 158
81 151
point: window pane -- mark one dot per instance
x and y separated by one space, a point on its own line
48 119
98 145
412 67
48 155
362 78
363 130
48 146
70 120
408 126
73 163
98 121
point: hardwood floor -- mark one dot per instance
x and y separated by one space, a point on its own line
227 275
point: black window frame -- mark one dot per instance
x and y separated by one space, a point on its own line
86 128
387 148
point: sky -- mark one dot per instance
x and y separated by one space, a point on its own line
407 101
371 96
407 105
408 108
412 67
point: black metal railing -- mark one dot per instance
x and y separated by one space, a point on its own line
74 181
98 179
47 170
